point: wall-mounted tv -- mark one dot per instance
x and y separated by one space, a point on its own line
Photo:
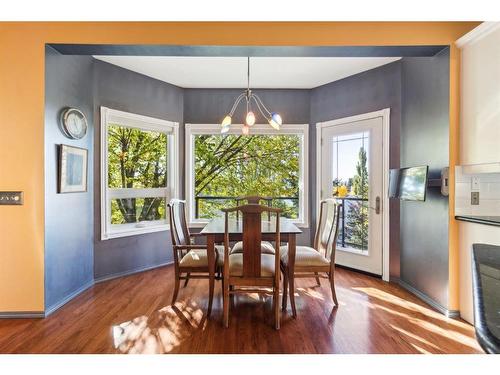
409 184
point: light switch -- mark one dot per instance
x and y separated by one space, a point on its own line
475 184
11 198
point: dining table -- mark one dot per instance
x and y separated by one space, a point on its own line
214 232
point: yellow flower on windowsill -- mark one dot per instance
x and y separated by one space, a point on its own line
340 191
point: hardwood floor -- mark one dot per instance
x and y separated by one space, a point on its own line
132 315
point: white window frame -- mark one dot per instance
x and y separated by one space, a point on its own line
171 190
302 130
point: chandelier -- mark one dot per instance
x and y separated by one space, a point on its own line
273 118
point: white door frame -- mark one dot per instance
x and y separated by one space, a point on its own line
385 114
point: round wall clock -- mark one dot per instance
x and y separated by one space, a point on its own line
73 123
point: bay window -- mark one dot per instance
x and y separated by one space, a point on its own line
138 172
268 163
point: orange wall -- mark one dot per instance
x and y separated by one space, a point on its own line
22 110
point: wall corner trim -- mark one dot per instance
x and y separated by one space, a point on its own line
131 272
68 298
424 297
477 33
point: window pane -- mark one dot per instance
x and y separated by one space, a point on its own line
351 184
233 165
136 158
134 210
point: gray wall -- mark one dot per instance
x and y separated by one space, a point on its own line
425 141
124 90
208 106
365 92
69 230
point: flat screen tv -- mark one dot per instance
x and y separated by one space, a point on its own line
409 184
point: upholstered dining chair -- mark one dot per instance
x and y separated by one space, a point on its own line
190 260
317 261
252 270
267 247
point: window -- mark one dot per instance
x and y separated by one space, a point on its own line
268 163
138 172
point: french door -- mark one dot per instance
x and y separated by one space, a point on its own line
352 169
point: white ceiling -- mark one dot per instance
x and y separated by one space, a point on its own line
231 72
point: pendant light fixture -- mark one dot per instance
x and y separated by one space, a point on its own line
273 118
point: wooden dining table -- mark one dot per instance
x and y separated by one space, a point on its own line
214 233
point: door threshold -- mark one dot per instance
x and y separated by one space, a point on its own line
359 271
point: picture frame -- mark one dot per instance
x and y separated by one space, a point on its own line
73 165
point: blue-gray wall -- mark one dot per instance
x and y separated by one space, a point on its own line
362 93
69 230
425 141
125 90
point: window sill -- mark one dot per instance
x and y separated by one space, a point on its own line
134 231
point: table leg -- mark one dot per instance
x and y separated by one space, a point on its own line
292 246
211 271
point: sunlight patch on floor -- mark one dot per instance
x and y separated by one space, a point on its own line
162 332
374 292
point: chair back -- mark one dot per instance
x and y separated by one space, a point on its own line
254 199
252 237
178 222
325 239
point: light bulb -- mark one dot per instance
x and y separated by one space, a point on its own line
275 121
245 129
226 121
277 118
225 124
250 119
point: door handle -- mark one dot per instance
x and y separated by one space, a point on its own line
377 206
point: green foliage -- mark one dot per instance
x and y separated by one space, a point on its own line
360 179
357 211
235 165
136 159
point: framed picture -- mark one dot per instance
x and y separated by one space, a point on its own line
72 169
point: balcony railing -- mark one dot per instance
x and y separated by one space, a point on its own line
343 240
213 198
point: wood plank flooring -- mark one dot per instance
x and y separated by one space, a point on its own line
133 315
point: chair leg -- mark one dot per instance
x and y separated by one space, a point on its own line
276 303
332 286
226 306
285 289
291 285
187 279
317 279
211 282
176 289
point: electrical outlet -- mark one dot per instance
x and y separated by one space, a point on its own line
475 184
474 198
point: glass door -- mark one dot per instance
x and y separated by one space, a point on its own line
352 171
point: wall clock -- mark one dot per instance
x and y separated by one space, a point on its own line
73 123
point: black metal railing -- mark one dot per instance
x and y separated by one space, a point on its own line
199 198
342 237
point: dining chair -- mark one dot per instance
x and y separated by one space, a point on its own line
267 247
317 261
252 270
190 260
